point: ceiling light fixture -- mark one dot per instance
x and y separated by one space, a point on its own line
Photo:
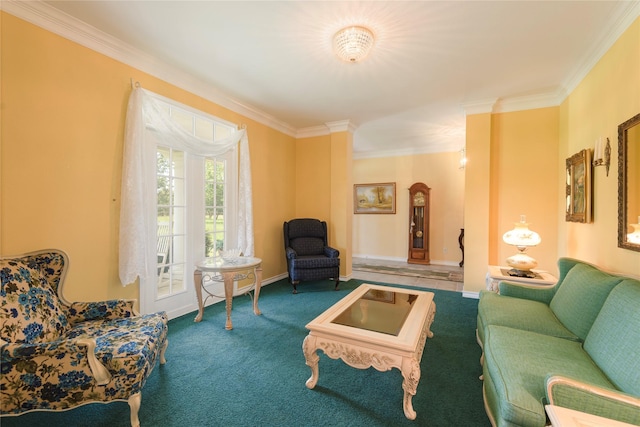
352 44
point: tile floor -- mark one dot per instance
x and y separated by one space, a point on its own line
406 280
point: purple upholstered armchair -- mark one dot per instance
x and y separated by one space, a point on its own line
309 257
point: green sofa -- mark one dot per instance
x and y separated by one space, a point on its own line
575 345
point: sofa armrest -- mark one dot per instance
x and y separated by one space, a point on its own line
331 252
78 312
24 354
526 291
588 398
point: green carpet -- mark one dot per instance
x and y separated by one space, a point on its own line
426 272
254 375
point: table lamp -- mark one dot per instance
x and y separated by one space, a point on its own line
521 237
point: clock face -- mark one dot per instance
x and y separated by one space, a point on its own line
418 199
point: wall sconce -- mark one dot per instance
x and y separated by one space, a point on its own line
463 158
602 153
521 237
634 237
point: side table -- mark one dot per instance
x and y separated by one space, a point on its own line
227 271
497 274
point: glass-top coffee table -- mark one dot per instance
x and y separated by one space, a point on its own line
380 326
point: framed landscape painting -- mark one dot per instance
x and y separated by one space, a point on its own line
377 198
578 195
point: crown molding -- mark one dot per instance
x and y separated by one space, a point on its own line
326 129
312 131
342 126
479 106
51 19
357 155
618 25
528 102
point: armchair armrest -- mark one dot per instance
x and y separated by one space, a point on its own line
525 291
106 310
331 252
592 399
291 254
24 354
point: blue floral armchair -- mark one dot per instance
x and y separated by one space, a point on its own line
55 355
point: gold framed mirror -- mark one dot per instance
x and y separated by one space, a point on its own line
629 184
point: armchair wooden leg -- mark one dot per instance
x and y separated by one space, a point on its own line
162 351
337 283
295 289
134 405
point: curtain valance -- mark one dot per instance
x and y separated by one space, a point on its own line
148 125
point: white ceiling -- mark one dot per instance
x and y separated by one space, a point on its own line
432 60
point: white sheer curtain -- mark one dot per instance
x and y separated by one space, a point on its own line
147 125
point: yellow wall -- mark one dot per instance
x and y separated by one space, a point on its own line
323 185
313 178
606 97
512 171
528 149
385 235
63 113
341 229
525 188
477 197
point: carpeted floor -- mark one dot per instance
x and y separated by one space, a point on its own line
427 272
254 375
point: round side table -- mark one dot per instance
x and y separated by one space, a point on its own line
227 270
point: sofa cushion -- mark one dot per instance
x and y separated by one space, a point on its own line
495 309
580 297
305 246
518 363
312 262
30 311
126 345
614 340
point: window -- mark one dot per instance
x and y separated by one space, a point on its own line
186 193
194 198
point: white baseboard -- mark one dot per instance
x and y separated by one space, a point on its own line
473 295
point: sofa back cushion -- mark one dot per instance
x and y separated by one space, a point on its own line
614 339
305 246
30 311
307 236
580 297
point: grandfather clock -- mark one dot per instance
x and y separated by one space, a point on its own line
418 224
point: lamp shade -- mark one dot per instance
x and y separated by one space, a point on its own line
352 44
521 236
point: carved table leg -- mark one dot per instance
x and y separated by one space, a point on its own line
256 293
411 375
197 281
311 357
228 296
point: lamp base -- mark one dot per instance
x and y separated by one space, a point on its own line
521 262
514 272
